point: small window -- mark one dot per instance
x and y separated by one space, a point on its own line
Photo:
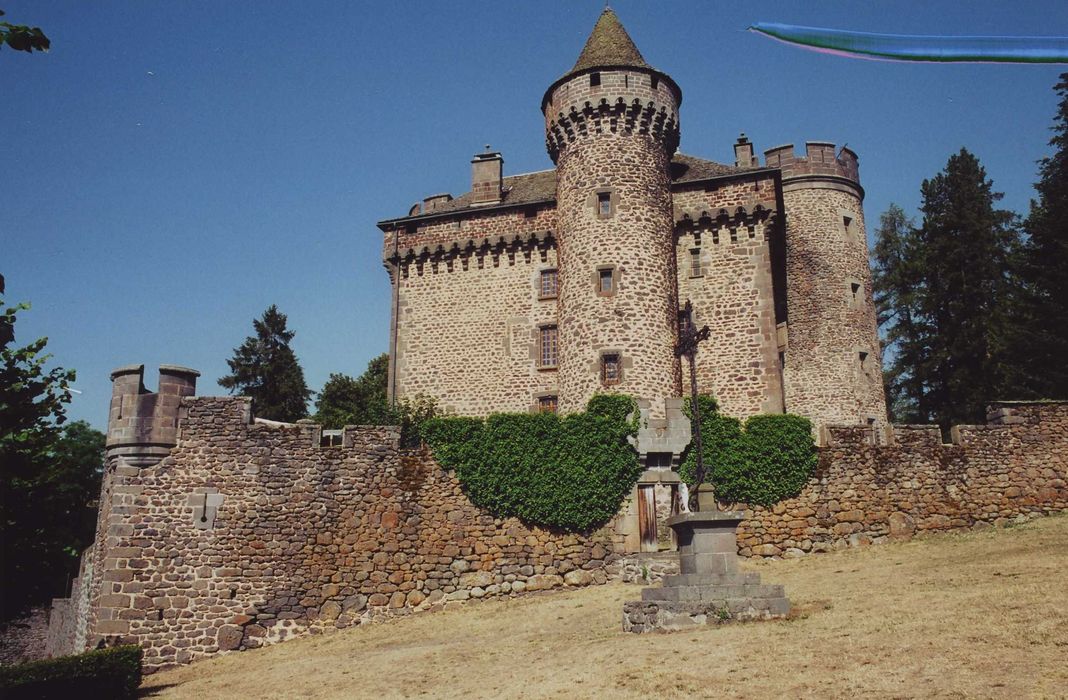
530 212
658 460
862 358
847 226
695 262
605 282
604 204
595 79
685 322
854 290
547 286
546 404
611 372
548 354
654 82
330 438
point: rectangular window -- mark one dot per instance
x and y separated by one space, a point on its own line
604 204
654 81
610 369
685 322
862 359
854 290
605 283
595 79
547 404
549 346
695 262
547 285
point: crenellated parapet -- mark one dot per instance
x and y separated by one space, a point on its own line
823 162
142 424
736 223
481 252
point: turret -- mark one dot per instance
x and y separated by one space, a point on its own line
143 425
832 359
611 127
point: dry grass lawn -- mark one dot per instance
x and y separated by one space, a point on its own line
975 615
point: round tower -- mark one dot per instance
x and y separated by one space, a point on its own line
611 127
832 360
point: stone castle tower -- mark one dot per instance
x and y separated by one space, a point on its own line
536 291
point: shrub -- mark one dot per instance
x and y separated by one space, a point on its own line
567 473
105 673
769 460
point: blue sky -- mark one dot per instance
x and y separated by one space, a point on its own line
171 169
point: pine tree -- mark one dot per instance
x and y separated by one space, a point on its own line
962 252
1040 332
896 282
265 369
360 401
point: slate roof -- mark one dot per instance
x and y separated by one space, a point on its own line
538 187
609 45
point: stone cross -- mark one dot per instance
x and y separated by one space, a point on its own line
687 347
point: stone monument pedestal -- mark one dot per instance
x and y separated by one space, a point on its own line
709 589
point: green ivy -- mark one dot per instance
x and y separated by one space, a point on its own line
566 473
769 458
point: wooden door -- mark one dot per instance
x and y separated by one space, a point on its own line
647 519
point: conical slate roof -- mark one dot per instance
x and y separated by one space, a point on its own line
609 45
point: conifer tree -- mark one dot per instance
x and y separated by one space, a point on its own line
1040 331
962 252
265 369
896 284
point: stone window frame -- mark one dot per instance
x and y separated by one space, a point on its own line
548 332
598 276
601 195
854 293
863 357
848 221
695 263
547 402
605 365
542 295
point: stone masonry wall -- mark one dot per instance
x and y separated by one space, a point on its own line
251 533
865 492
732 292
468 318
831 316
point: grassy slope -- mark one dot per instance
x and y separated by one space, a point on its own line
982 614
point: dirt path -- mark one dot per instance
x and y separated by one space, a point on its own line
978 615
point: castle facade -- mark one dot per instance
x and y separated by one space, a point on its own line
533 292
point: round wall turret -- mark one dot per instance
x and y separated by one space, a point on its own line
611 128
832 361
143 425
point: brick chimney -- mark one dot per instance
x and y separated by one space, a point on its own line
486 177
743 153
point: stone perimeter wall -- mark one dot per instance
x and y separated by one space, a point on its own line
250 533
865 492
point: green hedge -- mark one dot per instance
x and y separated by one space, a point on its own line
105 673
768 459
566 473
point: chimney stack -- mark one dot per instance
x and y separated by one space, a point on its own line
486 169
743 153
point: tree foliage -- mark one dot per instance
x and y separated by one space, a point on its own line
567 473
945 295
265 369
1040 338
22 38
360 401
49 473
767 459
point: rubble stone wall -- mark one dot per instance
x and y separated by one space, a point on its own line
251 533
864 492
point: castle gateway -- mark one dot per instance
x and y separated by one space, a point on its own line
532 292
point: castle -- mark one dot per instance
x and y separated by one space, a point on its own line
219 531
535 291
